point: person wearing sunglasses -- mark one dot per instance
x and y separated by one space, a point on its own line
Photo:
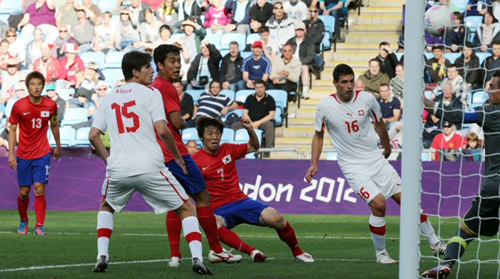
60 42
281 26
315 32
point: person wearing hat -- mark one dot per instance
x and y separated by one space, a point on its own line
48 65
60 102
304 50
445 141
256 67
10 78
70 64
193 35
315 31
280 25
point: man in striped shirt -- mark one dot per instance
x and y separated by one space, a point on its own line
213 104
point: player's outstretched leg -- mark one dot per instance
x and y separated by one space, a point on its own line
377 229
231 239
105 222
174 227
23 201
438 247
40 208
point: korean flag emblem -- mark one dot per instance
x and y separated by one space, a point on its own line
45 113
227 159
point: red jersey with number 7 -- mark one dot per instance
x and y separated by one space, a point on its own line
220 173
33 121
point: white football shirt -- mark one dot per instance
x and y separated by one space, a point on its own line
129 114
350 128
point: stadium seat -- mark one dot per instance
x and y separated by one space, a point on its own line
227 136
223 52
460 4
228 93
331 156
191 134
11 6
245 54
480 97
252 38
426 157
82 137
429 55
399 55
329 22
281 99
241 135
177 36
226 39
114 59
66 135
73 116
96 57
66 93
61 84
50 33
107 5
428 94
214 38
195 93
242 95
26 36
326 43
473 23
482 56
112 75
452 56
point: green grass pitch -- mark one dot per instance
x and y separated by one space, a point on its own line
341 246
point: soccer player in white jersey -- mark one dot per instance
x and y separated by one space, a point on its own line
348 115
131 114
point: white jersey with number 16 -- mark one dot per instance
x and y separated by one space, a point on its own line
129 114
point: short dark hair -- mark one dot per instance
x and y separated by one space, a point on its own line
234 43
437 47
495 42
163 27
263 29
451 66
458 15
33 75
134 60
384 43
469 45
374 60
161 52
259 81
206 121
342 70
384 84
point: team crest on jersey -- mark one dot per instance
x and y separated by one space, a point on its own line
227 159
361 112
45 113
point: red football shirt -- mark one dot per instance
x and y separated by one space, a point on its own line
440 143
33 121
221 176
171 103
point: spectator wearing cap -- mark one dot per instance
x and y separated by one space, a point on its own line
260 12
315 31
304 50
193 35
296 10
70 64
205 67
281 27
270 48
61 103
10 78
48 65
39 13
83 30
61 41
435 68
446 141
285 72
34 48
231 75
105 35
256 66
17 49
240 21
128 35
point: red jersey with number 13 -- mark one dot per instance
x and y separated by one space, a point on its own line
220 173
33 121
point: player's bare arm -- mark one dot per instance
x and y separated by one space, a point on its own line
96 141
316 149
384 138
54 126
168 139
253 142
176 119
12 144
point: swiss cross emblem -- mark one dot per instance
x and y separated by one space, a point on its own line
361 112
227 159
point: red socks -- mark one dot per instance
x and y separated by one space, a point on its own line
287 234
40 209
233 240
22 207
207 221
174 227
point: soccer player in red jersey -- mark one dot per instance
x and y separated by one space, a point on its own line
168 61
33 114
231 206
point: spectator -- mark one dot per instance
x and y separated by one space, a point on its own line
469 62
105 35
187 103
231 75
128 36
240 9
101 89
70 64
164 38
260 12
487 32
260 108
304 50
167 13
491 64
398 82
270 48
496 9
39 13
66 14
457 36
387 59
472 151
296 10
61 41
391 111
192 147
20 92
448 100
193 34
285 72
315 33
216 18
281 27
360 85
432 127
136 9
213 104
256 66
61 103
93 12
149 29
17 49
10 78
190 9
445 142
435 68
83 31
4 54
373 78
48 65
477 7
457 83
34 48
205 67
335 9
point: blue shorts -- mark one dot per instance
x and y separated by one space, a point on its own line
193 183
244 211
33 170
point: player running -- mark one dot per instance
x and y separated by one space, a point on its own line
168 61
348 115
482 218
131 114
231 206
32 114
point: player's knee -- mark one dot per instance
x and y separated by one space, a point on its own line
39 189
377 206
220 221
24 193
275 220
202 198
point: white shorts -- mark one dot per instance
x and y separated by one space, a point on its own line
159 189
381 179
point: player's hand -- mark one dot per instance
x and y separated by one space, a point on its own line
57 153
387 152
12 161
311 172
181 164
246 123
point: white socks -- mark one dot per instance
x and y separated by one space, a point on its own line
377 228
191 229
105 222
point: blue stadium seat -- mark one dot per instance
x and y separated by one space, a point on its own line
66 93
223 52
480 97
11 6
252 38
331 156
429 55
281 100
426 157
50 33
73 116
195 93
96 57
473 23
230 37
214 38
428 94
329 22
399 55
461 5
327 41
191 134
61 84
107 5
66 135
228 93
114 59
241 136
112 75
227 136
177 36
242 95
82 137
482 56
245 54
452 56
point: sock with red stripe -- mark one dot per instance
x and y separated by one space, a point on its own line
287 234
105 221
174 227
191 229
233 240
207 221
22 207
427 230
377 228
40 209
